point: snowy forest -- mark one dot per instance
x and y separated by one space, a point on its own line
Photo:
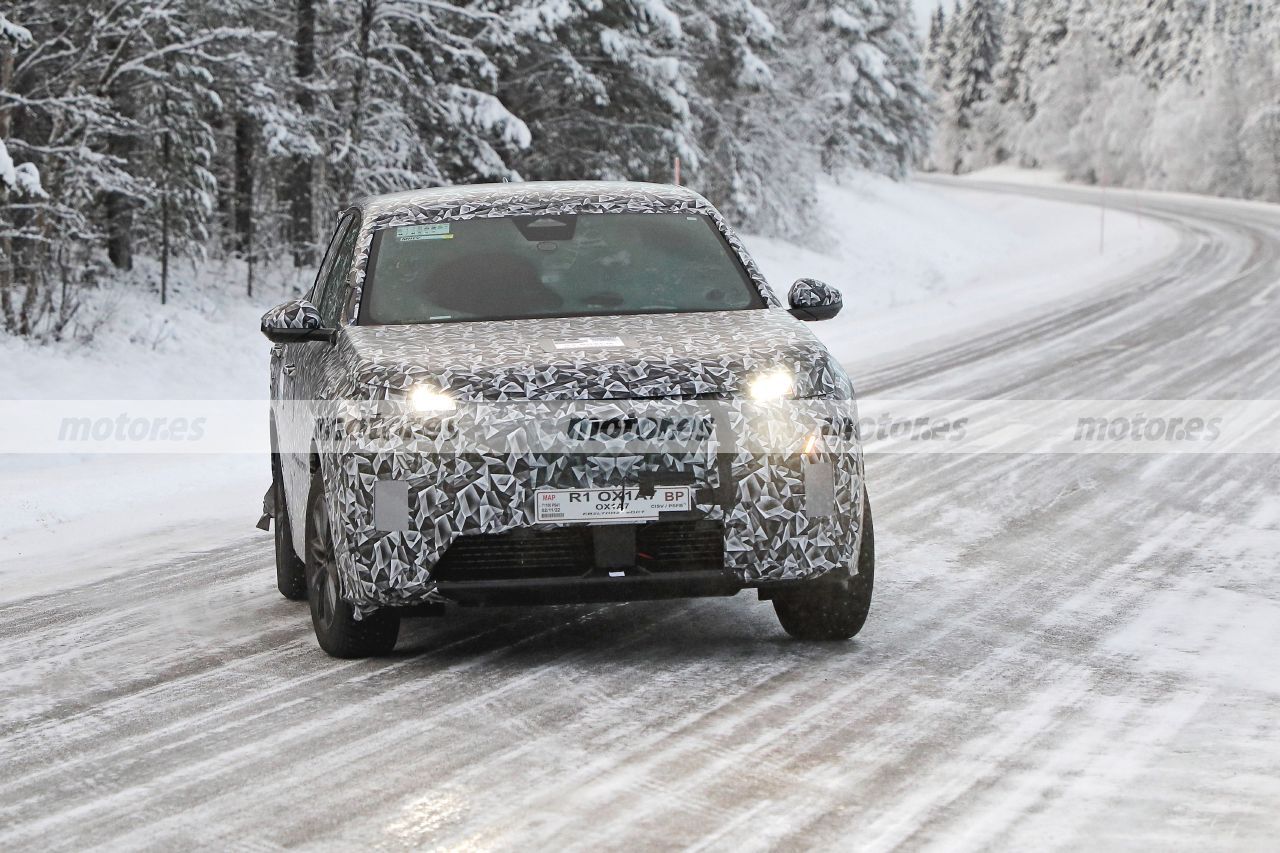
156 131
192 129
1160 94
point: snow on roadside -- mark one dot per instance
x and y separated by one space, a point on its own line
67 517
203 344
914 262
1005 173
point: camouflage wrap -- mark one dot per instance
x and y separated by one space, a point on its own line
514 385
810 293
301 315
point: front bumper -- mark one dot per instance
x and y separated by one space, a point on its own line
399 513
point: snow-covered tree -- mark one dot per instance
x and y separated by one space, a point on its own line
1180 94
189 128
941 49
753 155
1047 23
1260 75
1063 93
412 98
1101 145
303 158
934 54
179 56
601 86
967 114
973 66
1162 38
863 77
1011 79
59 121
19 182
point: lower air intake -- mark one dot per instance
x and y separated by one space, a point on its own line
567 552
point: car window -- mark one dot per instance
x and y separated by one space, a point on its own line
333 273
326 263
566 265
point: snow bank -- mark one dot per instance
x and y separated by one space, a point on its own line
203 344
67 517
914 261
917 263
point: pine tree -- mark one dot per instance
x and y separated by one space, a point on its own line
937 58
1257 31
1011 83
412 100
1048 25
61 118
933 44
967 117
745 127
977 52
1161 37
601 86
172 81
948 47
19 182
863 75
302 168
269 135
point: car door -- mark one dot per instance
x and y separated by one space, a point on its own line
304 365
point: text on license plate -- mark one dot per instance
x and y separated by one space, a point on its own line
610 504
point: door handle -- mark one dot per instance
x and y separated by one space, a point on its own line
289 368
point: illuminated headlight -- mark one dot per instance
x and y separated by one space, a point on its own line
774 385
428 399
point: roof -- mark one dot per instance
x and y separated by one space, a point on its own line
505 192
529 194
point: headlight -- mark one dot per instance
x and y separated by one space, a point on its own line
774 385
427 399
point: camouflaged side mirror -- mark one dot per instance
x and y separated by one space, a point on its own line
295 321
811 299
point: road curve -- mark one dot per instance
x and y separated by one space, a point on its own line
1065 650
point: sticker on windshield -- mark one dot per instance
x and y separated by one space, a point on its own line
438 231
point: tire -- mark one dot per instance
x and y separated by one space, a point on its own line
832 608
337 630
291 571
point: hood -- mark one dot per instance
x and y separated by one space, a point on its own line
594 358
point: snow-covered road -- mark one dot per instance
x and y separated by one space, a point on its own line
1065 651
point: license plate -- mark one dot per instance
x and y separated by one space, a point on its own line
610 504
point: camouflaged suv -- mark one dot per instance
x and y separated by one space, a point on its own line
558 392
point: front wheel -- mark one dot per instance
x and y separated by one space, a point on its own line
337 629
832 609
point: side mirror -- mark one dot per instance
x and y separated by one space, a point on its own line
811 299
295 321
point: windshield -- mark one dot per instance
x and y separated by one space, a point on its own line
553 266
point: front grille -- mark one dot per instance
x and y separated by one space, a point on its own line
568 552
525 553
680 546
